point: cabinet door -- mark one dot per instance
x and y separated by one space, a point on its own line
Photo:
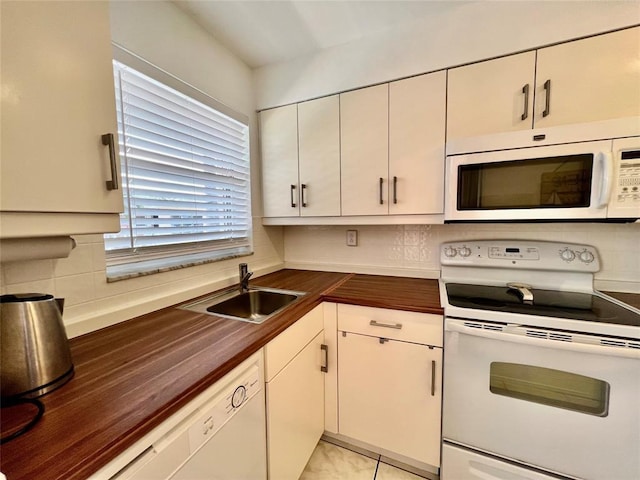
594 79
319 157
295 413
57 101
487 97
279 142
389 396
331 374
416 144
364 141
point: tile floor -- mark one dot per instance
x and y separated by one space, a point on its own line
331 462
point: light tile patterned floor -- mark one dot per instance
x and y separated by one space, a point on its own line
330 462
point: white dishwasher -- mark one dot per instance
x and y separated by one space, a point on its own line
224 438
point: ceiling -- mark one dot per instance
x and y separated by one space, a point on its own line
271 31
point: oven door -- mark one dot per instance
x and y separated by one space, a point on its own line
559 182
564 407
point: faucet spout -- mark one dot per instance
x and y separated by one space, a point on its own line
244 275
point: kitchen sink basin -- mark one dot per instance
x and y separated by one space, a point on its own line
255 305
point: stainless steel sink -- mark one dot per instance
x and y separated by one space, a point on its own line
255 305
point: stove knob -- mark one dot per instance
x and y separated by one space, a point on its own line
465 251
450 252
567 255
586 256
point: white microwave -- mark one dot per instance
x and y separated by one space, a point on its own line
587 181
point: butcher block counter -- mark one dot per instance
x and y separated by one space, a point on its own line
132 376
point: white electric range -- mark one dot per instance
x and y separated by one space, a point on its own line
541 372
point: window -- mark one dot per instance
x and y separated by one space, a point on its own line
185 176
547 386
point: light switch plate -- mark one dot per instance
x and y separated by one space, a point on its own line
352 238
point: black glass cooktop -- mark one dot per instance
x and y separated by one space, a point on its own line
547 303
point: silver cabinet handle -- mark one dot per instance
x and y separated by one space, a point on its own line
325 349
395 190
375 323
525 91
433 378
381 182
108 139
303 188
293 200
547 100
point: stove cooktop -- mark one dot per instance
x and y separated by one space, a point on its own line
546 303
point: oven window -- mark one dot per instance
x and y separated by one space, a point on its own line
555 388
553 182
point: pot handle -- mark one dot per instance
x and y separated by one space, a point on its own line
60 302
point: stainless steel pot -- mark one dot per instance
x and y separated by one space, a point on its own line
34 350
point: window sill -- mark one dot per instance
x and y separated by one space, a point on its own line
127 271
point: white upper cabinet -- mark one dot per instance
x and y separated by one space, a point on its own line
57 102
373 151
491 97
364 146
589 80
417 109
301 159
319 157
279 135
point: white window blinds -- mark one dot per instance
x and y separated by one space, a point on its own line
185 175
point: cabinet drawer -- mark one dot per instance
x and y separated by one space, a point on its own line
285 346
414 327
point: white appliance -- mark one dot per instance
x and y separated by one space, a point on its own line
597 180
541 372
222 438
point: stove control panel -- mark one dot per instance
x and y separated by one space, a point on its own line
521 254
513 252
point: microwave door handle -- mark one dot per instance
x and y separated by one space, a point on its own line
457 326
605 171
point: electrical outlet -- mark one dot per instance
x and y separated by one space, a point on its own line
352 238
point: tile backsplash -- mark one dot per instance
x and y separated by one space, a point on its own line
91 302
414 249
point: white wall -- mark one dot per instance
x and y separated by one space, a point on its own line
413 250
162 34
467 32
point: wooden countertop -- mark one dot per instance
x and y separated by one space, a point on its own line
132 376
414 294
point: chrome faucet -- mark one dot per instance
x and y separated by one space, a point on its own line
245 275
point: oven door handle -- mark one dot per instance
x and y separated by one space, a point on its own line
457 326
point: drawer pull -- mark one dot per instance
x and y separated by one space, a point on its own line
325 366
375 323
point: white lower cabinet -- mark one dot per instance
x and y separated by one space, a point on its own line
390 380
295 396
